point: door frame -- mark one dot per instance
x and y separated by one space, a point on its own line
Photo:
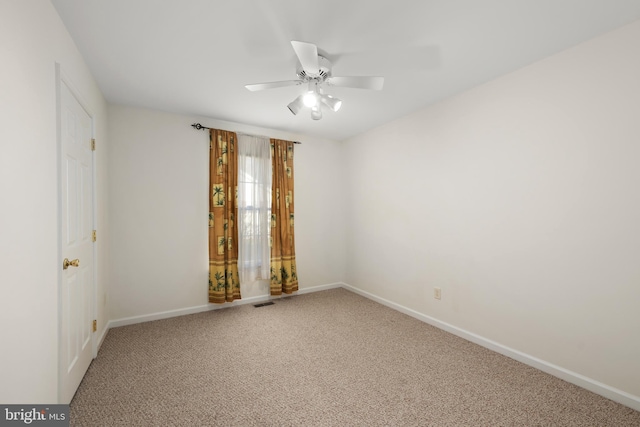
63 79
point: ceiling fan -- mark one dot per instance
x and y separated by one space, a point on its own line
314 70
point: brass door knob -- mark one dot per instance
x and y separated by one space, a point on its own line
66 263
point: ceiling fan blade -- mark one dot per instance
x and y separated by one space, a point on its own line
362 82
307 54
272 85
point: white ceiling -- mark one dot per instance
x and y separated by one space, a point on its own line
194 57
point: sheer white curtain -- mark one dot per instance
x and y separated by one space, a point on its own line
254 207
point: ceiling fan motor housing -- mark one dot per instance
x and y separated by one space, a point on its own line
325 70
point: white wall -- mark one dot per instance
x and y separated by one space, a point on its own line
32 40
520 200
159 209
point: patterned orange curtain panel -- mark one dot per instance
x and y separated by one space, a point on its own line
284 277
224 284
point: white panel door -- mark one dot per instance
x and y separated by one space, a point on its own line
76 199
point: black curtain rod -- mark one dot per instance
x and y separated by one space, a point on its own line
198 126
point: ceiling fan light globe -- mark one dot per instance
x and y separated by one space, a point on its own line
310 99
296 105
331 102
316 113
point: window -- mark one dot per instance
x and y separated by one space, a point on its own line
254 207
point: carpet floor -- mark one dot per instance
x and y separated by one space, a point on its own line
330 358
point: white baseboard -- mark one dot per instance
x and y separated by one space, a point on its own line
597 387
182 312
103 335
207 307
320 288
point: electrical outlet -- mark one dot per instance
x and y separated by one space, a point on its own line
437 293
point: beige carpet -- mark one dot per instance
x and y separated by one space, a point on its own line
329 358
